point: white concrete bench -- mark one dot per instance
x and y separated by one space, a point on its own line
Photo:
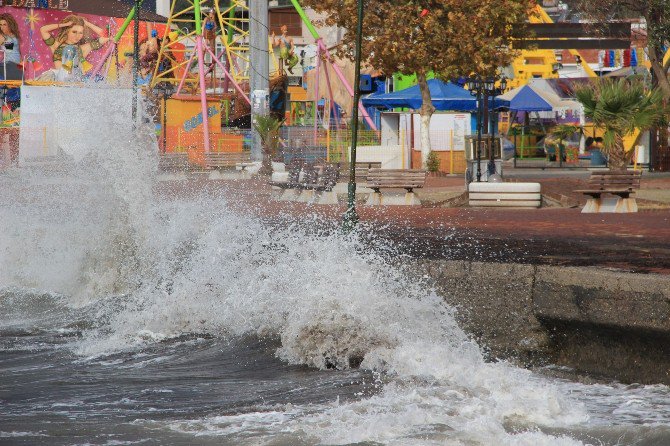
520 195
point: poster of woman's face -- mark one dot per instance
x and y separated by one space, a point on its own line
39 40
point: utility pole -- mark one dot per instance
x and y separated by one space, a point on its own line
259 81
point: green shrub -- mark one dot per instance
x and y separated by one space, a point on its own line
433 162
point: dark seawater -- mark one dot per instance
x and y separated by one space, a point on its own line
50 396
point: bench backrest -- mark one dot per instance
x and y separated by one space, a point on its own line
330 175
404 178
228 159
173 161
310 174
362 168
294 167
614 179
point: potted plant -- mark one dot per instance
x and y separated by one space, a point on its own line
433 163
268 129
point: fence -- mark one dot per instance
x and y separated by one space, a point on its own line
328 145
299 142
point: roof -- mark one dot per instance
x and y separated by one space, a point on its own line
444 96
540 95
526 99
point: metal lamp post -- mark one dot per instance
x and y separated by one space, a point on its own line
494 91
350 217
483 89
475 85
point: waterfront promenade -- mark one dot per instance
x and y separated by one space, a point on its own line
444 227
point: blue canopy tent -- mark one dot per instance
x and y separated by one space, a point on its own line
525 99
445 96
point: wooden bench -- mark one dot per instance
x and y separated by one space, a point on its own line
362 168
321 178
293 168
408 179
306 181
218 160
173 162
621 183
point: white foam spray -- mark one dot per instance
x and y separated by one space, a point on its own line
148 268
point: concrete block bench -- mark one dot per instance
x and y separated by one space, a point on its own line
519 195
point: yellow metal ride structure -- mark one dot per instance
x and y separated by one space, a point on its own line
540 63
179 43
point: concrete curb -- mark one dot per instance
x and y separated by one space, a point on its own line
597 321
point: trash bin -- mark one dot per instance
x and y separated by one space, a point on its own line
471 172
488 143
597 158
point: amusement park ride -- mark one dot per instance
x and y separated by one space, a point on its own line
202 72
182 51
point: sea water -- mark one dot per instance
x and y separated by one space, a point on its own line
131 317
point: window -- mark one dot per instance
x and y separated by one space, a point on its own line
290 18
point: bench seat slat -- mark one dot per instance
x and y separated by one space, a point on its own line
604 191
615 181
622 183
396 178
226 159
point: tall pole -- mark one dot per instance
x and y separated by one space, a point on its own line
260 69
200 46
229 41
112 47
324 51
350 217
489 131
136 57
479 133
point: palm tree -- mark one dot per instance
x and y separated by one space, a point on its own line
619 107
268 130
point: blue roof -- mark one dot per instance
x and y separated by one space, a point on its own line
527 100
444 95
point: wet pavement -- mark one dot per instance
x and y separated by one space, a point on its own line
637 242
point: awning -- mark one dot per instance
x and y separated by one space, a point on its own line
525 99
444 95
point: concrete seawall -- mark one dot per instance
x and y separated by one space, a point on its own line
607 323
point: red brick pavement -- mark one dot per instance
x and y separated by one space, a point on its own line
637 242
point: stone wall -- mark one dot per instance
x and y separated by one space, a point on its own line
609 323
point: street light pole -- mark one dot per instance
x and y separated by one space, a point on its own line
480 124
350 216
475 86
483 89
